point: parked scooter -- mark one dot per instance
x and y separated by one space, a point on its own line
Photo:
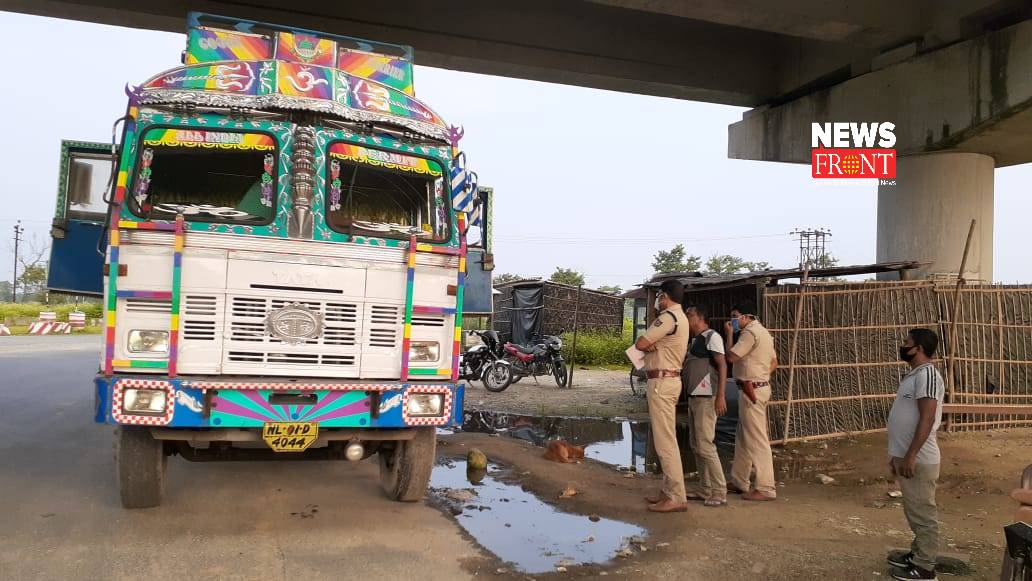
543 358
484 363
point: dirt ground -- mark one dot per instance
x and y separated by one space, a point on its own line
595 393
840 530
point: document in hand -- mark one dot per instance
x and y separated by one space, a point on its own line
636 356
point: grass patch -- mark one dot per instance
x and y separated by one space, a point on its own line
32 310
594 348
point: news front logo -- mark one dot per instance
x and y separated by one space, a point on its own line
853 150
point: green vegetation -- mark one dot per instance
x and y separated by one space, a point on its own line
598 348
675 260
31 310
506 277
727 264
567 276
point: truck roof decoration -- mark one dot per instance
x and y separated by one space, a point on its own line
239 63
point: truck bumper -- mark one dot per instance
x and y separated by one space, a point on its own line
224 403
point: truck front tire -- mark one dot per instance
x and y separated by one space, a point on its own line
405 470
141 462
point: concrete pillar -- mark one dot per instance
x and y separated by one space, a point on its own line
926 215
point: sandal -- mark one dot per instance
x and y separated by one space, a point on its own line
714 502
694 496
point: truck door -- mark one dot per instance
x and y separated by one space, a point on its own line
480 261
77 251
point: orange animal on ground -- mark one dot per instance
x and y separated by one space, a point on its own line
560 451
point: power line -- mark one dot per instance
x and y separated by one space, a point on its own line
812 246
548 237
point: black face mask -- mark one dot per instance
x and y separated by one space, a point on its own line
905 355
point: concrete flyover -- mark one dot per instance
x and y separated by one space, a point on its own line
954 75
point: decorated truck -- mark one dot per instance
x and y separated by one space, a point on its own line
280 240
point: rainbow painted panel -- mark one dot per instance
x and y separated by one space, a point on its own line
371 96
209 139
305 81
204 45
251 409
387 159
226 77
305 49
393 72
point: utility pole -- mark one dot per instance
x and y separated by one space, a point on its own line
812 247
18 231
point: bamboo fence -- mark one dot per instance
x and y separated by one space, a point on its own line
846 368
560 305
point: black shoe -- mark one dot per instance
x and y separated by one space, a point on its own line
901 559
913 573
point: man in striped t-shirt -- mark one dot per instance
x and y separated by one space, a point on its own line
914 452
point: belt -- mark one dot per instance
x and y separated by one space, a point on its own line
760 383
661 373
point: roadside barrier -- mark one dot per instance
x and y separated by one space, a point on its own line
49 328
77 319
4 330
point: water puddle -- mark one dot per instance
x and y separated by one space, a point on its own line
622 443
522 529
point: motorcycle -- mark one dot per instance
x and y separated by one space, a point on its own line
543 358
484 363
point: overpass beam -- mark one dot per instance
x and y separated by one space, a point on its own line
926 215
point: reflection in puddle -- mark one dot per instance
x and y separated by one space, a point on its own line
621 443
522 529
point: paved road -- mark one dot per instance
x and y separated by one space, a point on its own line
61 518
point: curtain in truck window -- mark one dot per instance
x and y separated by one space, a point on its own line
372 192
209 176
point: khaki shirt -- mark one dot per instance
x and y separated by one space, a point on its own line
755 346
669 336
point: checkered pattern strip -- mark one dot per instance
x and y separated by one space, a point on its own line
123 417
427 421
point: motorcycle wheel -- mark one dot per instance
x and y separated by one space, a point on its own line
497 376
639 382
562 375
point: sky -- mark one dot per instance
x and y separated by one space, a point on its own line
598 181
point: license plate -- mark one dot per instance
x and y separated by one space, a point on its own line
290 436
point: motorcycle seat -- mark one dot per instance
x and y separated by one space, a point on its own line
528 350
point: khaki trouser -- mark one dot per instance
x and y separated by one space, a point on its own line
921 512
704 430
752 444
663 395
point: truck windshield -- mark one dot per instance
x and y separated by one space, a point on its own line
383 193
208 176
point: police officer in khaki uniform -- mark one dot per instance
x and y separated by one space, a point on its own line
754 361
665 345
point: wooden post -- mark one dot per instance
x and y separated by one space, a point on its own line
951 353
792 346
573 348
999 319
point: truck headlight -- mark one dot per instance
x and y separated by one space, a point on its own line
147 401
425 404
148 341
424 351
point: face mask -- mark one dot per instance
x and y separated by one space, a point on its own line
905 355
734 324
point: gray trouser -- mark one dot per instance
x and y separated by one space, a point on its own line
704 430
921 512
